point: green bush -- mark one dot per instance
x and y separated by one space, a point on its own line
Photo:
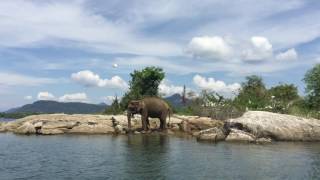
312 80
211 104
253 94
282 97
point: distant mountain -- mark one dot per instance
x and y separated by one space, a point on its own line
175 100
59 107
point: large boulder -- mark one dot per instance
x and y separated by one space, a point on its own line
240 136
277 126
2 129
213 134
194 124
48 124
50 131
263 140
92 129
26 128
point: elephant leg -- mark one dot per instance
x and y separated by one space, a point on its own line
144 122
148 123
163 123
129 120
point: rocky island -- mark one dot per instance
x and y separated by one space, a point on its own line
253 126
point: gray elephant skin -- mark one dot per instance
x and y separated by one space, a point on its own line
149 107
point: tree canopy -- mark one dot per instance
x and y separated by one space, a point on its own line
253 93
283 96
312 80
143 83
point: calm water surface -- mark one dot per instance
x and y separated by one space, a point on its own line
6 119
152 157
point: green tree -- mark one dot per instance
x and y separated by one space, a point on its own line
143 83
253 94
283 96
312 80
114 108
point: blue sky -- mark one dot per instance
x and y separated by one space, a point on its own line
81 50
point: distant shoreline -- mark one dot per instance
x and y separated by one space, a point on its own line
253 126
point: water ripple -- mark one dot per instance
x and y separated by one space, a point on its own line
152 157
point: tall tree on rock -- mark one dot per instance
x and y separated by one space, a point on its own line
143 83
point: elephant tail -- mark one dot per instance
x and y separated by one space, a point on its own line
169 113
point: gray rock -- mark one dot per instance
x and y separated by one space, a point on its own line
278 126
26 128
51 131
119 129
213 134
263 140
2 129
240 136
175 127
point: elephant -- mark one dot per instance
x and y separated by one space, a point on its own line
153 107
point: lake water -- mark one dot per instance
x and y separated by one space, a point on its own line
152 157
6 119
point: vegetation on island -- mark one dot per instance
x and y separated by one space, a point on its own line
16 115
49 107
253 95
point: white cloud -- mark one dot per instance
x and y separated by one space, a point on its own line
13 79
168 89
214 47
27 97
90 79
210 84
76 97
109 99
86 78
45 96
261 49
48 23
290 54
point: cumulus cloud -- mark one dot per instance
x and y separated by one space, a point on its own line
261 49
210 84
288 55
75 97
109 99
27 97
168 89
257 49
45 96
14 79
213 47
74 22
90 79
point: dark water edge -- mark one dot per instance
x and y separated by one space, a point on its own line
6 119
152 157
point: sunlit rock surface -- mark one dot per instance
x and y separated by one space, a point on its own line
238 135
277 126
253 126
49 124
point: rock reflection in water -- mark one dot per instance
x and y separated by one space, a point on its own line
152 156
147 156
